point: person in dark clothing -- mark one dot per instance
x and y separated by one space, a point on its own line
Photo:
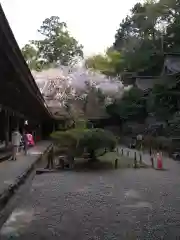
50 163
150 151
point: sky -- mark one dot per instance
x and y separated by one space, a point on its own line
92 22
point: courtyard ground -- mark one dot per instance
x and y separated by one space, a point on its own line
107 205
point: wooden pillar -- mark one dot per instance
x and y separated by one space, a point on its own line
2 124
21 124
17 122
6 128
54 126
34 130
40 131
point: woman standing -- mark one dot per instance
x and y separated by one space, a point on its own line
16 139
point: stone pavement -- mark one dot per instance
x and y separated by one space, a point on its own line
167 162
13 172
145 156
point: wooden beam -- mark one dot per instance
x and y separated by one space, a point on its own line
14 54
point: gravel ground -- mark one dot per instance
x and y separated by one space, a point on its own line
108 205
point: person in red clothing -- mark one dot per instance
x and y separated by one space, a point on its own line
37 138
30 140
159 161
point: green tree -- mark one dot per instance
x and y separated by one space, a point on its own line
163 102
31 56
139 39
132 106
173 128
56 47
150 30
107 64
81 140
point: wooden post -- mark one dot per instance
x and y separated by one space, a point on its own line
140 158
54 127
152 161
117 150
135 160
6 128
17 122
150 151
116 163
122 152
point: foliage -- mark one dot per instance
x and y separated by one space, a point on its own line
97 138
68 141
151 28
131 106
57 46
31 56
107 64
80 140
162 102
173 128
123 161
80 124
138 38
157 143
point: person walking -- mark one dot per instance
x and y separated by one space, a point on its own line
16 140
30 140
50 163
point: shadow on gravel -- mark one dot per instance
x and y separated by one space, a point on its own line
81 166
93 166
163 169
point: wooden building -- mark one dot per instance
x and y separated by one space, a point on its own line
20 98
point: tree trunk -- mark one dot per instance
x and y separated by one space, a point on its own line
92 156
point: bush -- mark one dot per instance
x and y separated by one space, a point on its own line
80 124
96 139
90 141
67 139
